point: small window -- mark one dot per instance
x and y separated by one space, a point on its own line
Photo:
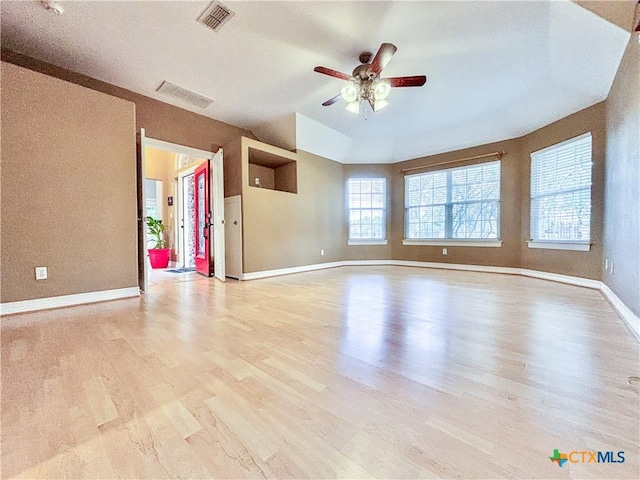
458 204
367 199
561 192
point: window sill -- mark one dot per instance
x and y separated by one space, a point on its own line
455 243
575 246
367 242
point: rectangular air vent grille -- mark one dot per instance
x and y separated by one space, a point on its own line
183 94
215 16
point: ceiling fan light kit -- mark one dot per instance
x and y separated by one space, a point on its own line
370 91
353 107
365 84
350 93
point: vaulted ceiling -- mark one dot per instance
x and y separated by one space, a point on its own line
496 70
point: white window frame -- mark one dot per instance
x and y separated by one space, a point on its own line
367 241
451 241
546 154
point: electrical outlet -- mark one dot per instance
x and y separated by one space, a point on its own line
321 252
444 251
256 181
41 273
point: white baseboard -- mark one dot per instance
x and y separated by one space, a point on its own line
458 266
67 300
287 271
631 319
362 263
556 277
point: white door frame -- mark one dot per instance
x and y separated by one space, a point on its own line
175 148
143 273
216 197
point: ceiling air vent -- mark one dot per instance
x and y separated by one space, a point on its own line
183 94
215 16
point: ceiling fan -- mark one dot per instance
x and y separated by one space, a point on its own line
365 83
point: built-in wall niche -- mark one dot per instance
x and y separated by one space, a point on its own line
271 171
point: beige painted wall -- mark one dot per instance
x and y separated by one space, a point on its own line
282 229
286 178
622 181
267 176
506 256
579 264
161 121
68 188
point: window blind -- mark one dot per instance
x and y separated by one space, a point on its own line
457 203
561 191
367 205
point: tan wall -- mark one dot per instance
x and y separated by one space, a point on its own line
68 188
267 176
622 181
282 229
286 178
161 120
232 159
579 264
506 256
369 252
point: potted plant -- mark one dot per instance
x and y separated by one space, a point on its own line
158 256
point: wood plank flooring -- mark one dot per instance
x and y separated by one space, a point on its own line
354 372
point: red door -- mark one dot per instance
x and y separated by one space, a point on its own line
203 219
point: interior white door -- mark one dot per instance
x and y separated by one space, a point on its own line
142 224
218 217
233 235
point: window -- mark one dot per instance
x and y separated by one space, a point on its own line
459 203
367 210
153 203
561 192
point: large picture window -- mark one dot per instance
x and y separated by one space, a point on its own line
367 206
561 191
458 203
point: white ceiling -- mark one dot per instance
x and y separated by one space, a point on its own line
496 70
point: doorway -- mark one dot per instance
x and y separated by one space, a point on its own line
185 232
167 190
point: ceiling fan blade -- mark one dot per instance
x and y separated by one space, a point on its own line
383 57
332 73
413 81
333 100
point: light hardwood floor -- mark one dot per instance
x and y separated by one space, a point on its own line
355 372
158 277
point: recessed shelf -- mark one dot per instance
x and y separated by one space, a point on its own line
273 172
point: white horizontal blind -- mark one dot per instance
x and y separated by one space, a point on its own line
458 203
561 191
367 207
